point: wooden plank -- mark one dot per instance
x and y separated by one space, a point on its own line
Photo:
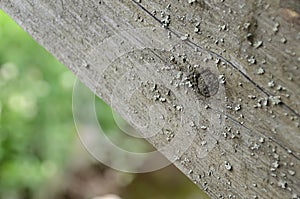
239 57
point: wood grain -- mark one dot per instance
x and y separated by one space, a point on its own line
246 141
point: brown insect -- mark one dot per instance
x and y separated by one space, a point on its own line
205 83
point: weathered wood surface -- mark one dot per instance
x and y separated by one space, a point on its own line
252 46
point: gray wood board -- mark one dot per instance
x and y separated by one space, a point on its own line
224 71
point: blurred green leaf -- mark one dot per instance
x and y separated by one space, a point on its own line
36 126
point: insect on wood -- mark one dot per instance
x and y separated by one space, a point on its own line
205 82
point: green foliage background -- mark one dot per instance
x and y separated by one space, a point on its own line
36 126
